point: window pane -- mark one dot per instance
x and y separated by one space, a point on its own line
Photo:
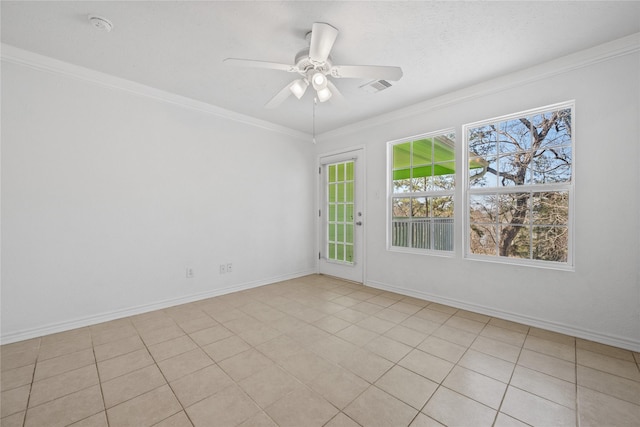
552 166
339 232
341 192
332 251
518 238
419 184
514 208
551 243
422 152
340 172
348 253
514 136
340 252
401 208
348 233
442 207
444 148
349 195
419 207
443 234
420 234
551 208
483 208
340 209
444 176
349 176
513 169
332 173
349 212
400 233
332 232
332 193
332 212
402 156
401 186
482 141
482 172
556 125
482 239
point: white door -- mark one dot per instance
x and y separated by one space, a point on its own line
341 215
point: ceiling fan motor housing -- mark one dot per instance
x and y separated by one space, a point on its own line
304 63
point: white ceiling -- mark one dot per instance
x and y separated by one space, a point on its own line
441 46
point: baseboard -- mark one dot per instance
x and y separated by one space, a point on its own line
53 328
571 330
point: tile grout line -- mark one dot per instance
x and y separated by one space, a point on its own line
104 404
33 376
577 401
515 365
155 362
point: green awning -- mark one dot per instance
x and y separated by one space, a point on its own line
427 157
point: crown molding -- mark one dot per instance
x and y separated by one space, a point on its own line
607 51
584 58
39 62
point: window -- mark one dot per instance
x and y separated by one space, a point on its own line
520 187
421 192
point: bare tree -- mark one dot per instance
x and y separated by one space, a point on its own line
527 150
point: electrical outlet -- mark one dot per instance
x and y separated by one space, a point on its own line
189 273
229 267
223 268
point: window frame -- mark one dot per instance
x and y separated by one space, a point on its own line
428 194
468 192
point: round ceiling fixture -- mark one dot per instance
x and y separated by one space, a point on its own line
101 23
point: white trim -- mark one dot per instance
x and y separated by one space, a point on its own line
44 63
584 58
562 328
145 308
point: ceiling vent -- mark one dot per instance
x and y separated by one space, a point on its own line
375 86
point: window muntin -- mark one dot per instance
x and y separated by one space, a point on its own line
422 192
519 186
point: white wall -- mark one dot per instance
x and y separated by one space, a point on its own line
601 299
107 196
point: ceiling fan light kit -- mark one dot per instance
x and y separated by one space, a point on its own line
324 94
299 87
319 80
315 66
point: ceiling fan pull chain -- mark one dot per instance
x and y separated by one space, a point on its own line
315 102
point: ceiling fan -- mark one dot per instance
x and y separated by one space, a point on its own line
314 65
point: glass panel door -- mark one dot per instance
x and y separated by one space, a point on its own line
341 216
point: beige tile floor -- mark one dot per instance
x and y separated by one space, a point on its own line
316 351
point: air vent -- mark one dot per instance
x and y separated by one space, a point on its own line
375 86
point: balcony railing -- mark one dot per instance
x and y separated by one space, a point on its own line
426 233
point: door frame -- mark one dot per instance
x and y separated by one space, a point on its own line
360 151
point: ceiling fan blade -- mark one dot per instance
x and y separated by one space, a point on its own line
280 96
336 97
323 36
260 64
375 72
